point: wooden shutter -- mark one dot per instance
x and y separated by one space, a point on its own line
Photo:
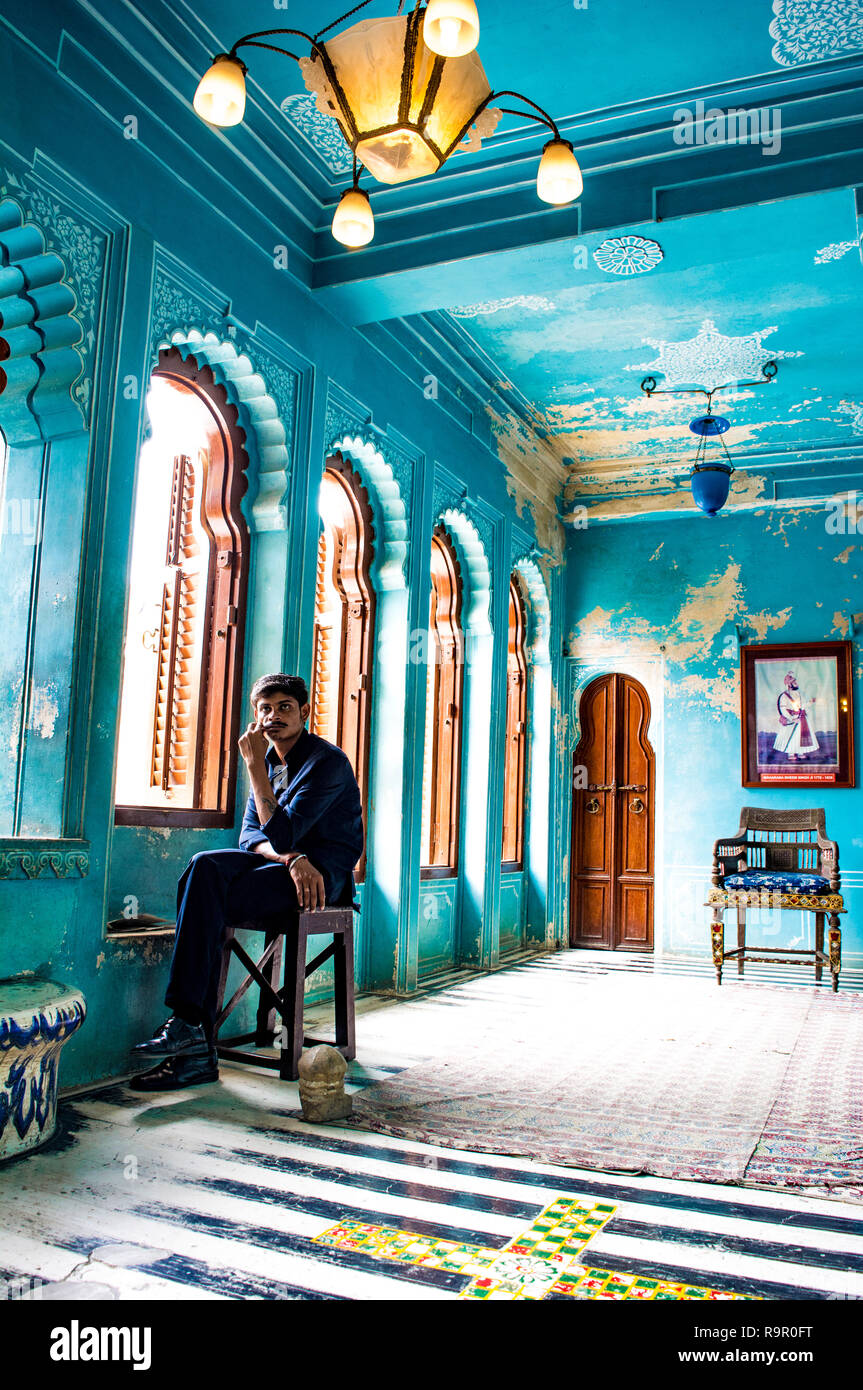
174 740
324 706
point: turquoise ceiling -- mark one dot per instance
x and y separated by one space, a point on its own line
732 289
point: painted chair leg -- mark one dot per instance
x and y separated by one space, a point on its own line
717 941
835 939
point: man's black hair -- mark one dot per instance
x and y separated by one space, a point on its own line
294 686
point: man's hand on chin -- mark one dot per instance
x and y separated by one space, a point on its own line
253 746
309 884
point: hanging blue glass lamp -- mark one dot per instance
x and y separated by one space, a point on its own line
710 479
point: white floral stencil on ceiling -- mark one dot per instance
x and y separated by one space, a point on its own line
854 409
492 306
835 251
321 132
711 358
627 255
809 31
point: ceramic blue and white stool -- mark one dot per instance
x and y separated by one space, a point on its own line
36 1018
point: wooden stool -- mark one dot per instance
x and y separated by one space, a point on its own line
286 935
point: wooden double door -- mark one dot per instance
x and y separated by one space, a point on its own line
611 898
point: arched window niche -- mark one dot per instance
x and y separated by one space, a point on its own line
444 688
515 746
383 942
183 650
343 646
457 920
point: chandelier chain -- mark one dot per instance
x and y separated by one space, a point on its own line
327 27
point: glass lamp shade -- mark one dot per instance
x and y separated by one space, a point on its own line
221 95
354 223
451 27
559 179
384 120
710 485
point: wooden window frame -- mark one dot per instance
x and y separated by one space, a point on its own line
352 580
515 748
445 609
224 595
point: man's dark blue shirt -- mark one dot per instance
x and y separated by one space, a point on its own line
319 812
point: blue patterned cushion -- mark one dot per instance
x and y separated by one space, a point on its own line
754 880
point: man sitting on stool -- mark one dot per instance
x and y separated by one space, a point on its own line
302 835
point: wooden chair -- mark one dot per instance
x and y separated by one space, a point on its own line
286 936
759 866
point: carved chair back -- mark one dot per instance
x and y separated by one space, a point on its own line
779 841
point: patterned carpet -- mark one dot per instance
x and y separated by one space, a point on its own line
648 1074
814 1134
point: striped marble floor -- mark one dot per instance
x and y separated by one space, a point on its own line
224 1193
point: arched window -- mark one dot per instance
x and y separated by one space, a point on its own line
344 621
180 701
443 712
515 757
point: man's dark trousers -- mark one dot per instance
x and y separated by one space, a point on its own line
218 887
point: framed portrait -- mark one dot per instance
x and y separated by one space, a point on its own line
797 715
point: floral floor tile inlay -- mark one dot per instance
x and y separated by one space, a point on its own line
544 1259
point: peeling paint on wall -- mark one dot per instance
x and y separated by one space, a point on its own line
779 523
690 638
762 623
44 710
718 694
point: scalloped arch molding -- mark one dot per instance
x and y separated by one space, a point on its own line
387 504
39 361
266 436
474 562
539 609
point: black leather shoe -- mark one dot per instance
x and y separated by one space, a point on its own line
177 1072
175 1038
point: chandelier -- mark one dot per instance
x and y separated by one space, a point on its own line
407 92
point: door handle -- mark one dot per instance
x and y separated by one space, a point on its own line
636 805
592 806
631 787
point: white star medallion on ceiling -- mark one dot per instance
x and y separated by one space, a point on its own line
711 358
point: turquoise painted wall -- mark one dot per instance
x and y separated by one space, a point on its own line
663 600
150 259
